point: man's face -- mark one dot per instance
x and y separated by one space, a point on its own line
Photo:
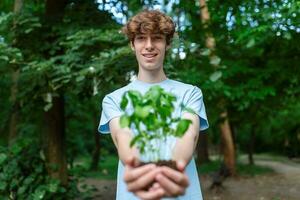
149 50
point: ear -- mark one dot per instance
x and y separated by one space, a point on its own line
132 46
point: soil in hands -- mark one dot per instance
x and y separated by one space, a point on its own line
168 163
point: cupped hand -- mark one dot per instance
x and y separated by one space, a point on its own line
173 182
139 178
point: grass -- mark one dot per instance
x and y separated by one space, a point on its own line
107 168
253 170
242 169
209 167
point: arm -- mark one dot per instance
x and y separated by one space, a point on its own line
188 141
121 138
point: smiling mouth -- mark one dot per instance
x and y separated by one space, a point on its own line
149 55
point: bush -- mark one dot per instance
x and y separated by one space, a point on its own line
23 175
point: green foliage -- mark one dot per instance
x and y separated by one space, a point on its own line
107 170
23 174
69 56
79 70
283 131
152 118
257 76
9 55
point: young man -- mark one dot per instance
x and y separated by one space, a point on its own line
150 34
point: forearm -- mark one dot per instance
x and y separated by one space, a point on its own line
123 139
184 147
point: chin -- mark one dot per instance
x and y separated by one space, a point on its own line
150 67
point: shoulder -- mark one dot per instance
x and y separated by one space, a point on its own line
185 87
118 93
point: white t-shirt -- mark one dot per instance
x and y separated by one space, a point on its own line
188 95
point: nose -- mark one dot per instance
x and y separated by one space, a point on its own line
149 44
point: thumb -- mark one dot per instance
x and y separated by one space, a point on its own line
128 160
181 164
136 162
131 161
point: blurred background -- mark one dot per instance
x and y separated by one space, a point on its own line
58 59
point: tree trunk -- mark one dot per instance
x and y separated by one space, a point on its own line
18 5
226 135
251 147
96 152
202 149
227 141
55 141
55 146
15 112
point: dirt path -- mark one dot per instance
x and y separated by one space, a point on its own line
282 185
285 169
280 165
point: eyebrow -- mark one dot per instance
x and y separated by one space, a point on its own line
155 34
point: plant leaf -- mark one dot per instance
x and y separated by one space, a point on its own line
3 157
124 102
215 76
124 121
135 97
135 139
142 112
182 127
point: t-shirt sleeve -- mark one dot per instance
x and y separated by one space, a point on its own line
110 110
195 102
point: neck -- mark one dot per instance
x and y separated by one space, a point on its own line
152 76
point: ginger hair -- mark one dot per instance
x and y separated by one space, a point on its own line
150 22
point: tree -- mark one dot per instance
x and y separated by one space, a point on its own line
225 129
14 117
55 116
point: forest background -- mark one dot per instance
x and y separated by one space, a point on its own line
59 58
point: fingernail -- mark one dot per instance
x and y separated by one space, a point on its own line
161 191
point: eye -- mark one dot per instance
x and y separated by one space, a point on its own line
158 37
140 37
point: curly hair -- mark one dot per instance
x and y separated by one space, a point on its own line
148 22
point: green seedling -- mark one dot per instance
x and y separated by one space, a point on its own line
151 118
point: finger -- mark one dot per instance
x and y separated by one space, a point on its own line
155 186
178 177
133 173
143 181
169 186
150 195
